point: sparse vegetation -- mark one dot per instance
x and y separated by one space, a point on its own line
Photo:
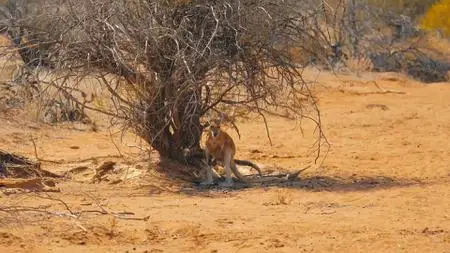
161 68
412 8
167 69
367 35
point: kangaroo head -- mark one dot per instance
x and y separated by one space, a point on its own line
214 126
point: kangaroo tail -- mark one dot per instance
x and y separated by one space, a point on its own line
248 163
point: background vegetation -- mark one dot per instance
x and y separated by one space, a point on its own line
170 65
438 17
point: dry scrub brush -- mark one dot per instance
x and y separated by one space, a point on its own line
365 35
168 65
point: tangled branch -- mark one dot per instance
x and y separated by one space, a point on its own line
170 64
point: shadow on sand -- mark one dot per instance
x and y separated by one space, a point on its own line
315 183
180 180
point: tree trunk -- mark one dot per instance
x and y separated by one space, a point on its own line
172 131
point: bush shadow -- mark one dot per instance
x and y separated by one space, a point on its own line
176 178
313 183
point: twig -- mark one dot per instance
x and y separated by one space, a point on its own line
384 91
35 148
36 153
81 226
266 126
71 213
147 150
62 161
48 197
114 143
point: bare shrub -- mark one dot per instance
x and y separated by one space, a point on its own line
15 166
64 108
412 8
25 90
42 104
366 35
414 62
169 64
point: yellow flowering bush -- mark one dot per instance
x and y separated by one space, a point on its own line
438 17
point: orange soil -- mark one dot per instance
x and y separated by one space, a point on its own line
384 186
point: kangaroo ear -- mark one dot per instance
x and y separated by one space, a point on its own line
221 118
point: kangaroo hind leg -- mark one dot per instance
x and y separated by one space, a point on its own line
209 172
227 162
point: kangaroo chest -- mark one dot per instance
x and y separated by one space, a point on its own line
217 146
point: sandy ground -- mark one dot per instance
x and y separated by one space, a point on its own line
384 186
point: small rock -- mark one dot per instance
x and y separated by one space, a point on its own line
255 151
379 106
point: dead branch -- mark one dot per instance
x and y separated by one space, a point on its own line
104 168
33 184
15 166
381 90
114 143
35 148
36 153
167 69
69 211
103 211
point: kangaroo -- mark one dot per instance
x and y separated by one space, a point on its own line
221 147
